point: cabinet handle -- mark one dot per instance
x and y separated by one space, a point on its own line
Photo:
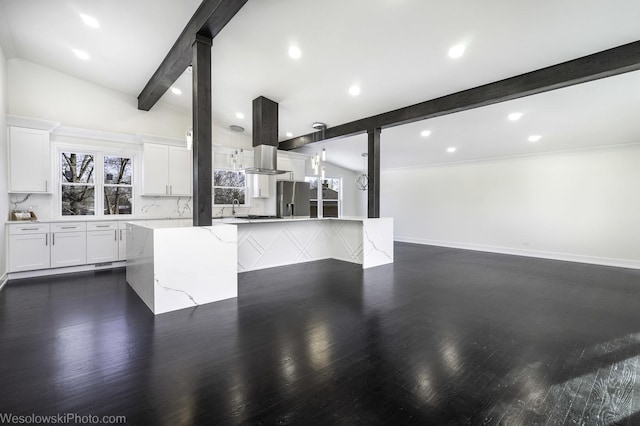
121 235
28 229
68 227
46 239
102 226
115 235
53 239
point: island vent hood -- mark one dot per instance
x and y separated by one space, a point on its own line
265 138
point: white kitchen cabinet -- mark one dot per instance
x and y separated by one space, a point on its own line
29 160
261 186
68 244
122 241
102 242
166 170
28 247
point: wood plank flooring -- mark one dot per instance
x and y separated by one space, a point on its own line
441 337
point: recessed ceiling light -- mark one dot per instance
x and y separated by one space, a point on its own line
295 52
452 149
457 51
534 138
354 90
289 134
239 115
176 91
81 54
515 116
90 20
425 133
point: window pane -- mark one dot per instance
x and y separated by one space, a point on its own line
117 170
314 209
76 168
227 195
117 200
333 184
329 194
330 209
313 187
228 178
77 200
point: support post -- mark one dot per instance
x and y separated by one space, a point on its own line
202 151
373 204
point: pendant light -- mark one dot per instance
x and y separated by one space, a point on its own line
236 159
362 180
317 157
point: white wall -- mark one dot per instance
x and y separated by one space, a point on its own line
40 92
4 208
354 201
580 205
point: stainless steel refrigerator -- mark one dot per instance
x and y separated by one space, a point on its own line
292 199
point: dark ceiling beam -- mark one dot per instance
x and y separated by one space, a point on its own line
607 63
209 20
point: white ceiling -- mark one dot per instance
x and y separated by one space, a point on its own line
396 50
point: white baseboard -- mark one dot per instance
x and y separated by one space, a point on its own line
67 270
568 257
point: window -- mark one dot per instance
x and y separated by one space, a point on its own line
326 201
229 185
83 175
118 185
78 189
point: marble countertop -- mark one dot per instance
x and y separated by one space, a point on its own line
182 222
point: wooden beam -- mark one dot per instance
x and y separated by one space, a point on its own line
210 18
607 63
202 152
373 172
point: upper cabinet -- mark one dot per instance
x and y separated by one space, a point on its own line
166 170
29 160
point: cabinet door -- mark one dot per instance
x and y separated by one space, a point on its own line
179 171
102 246
29 160
28 252
122 244
261 186
155 169
68 249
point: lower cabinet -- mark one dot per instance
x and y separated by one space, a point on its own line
33 246
122 241
68 244
29 251
102 242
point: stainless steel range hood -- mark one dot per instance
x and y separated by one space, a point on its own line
265 161
265 138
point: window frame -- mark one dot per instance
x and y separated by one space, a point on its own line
319 199
98 178
246 188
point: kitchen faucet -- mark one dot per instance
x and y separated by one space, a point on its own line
234 203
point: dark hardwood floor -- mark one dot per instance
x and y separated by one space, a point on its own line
442 337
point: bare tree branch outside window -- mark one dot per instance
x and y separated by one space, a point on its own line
228 185
78 189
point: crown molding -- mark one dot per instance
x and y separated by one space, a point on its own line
32 123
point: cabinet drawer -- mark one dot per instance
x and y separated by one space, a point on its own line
28 228
102 226
68 227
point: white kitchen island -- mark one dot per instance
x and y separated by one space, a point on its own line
172 265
